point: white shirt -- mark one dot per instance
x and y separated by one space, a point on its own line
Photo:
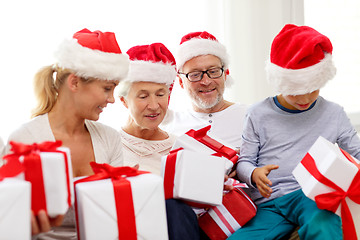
226 125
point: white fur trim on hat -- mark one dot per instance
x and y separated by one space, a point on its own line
144 71
86 62
199 46
301 81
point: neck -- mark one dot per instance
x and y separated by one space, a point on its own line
63 120
144 133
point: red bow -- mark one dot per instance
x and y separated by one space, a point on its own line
122 193
222 150
332 200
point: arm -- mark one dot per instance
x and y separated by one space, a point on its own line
247 168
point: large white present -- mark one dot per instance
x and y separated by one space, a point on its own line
199 141
47 166
125 204
331 177
15 205
193 176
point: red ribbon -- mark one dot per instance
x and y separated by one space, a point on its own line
332 200
222 150
33 169
169 174
11 168
122 193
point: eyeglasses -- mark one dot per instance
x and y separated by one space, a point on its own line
198 75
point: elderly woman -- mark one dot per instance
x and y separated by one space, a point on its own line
71 95
145 93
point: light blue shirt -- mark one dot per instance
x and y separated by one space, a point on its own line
275 136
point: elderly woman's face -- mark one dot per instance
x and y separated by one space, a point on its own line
147 103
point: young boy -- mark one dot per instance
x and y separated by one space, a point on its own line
280 130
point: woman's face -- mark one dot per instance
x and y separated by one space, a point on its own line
94 96
147 103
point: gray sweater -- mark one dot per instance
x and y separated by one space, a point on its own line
275 136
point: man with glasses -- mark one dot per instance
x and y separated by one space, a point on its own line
202 64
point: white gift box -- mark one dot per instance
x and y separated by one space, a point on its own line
15 209
96 209
198 177
332 164
187 142
58 180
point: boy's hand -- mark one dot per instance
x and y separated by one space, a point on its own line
259 177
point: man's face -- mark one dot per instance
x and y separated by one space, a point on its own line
206 94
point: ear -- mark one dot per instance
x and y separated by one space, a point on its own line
73 82
123 100
180 81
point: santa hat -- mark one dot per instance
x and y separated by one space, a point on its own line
201 43
300 60
151 63
93 54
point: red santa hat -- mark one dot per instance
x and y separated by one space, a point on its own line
93 54
300 60
151 63
201 43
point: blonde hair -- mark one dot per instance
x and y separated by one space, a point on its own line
46 88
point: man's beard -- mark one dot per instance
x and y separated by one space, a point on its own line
200 103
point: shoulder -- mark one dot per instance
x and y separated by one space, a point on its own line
35 130
261 106
102 131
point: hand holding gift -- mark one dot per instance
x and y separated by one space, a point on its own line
47 166
321 176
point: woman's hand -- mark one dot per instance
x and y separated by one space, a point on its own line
259 177
42 223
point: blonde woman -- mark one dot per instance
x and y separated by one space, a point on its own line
71 95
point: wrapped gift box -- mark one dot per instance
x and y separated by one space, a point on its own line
96 209
48 167
15 209
193 176
325 170
199 141
221 221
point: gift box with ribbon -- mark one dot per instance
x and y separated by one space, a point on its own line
331 177
236 210
47 166
15 203
199 141
120 203
193 176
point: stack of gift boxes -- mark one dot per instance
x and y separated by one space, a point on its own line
125 203
34 177
114 203
194 172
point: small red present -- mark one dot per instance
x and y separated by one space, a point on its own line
221 221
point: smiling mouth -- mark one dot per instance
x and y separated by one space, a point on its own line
152 115
207 91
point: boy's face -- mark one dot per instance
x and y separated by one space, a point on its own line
298 102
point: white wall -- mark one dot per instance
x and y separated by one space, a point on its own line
250 27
